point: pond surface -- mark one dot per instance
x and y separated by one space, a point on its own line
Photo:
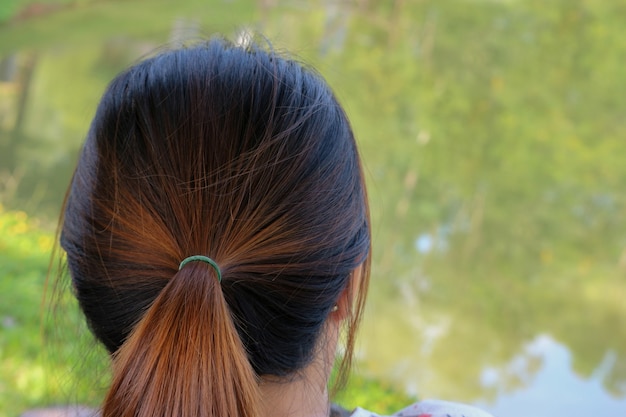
493 136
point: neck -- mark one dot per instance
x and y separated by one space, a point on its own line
298 397
304 394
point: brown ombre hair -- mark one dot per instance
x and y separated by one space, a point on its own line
233 153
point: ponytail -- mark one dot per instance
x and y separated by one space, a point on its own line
184 357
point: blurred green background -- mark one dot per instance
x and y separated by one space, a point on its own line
493 134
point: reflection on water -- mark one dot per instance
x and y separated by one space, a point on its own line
493 141
554 379
537 381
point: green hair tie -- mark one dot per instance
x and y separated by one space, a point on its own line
205 259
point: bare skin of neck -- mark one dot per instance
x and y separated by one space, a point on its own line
305 394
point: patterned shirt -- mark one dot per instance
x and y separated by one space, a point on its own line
430 408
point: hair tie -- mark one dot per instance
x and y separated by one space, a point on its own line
205 259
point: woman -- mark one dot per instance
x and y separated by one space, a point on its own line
217 236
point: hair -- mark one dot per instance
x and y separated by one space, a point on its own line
234 153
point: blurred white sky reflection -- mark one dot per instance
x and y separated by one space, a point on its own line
577 397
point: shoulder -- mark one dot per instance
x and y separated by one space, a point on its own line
430 408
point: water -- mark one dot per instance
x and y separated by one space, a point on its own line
492 137
554 379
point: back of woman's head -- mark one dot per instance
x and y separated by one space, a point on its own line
232 153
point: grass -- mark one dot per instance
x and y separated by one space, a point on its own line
49 357
22 272
38 355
